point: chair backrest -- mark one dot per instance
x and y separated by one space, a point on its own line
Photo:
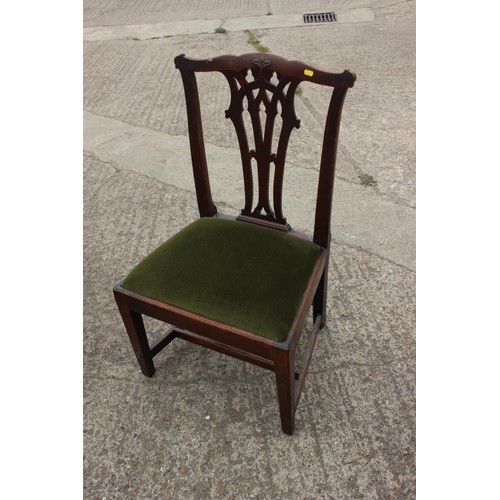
271 81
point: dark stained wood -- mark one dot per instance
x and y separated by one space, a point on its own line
284 370
305 304
226 349
291 69
260 81
307 359
186 320
202 182
319 302
156 347
290 121
327 169
255 87
235 113
137 335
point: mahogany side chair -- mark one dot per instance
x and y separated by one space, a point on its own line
244 285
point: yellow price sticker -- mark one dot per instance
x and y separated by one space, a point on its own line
308 72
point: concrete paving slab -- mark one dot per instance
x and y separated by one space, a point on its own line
199 26
124 12
110 13
149 31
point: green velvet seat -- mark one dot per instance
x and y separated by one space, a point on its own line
238 273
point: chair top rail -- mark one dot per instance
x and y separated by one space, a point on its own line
291 69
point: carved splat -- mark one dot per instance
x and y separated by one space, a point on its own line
266 82
254 86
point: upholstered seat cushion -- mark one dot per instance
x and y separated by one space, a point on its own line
238 273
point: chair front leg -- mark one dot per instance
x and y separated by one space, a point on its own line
137 335
284 369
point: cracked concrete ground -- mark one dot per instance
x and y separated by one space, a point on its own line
355 430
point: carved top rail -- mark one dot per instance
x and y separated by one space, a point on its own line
290 69
264 82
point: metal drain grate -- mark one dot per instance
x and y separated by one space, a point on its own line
323 17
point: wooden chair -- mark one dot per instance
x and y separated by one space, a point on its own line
244 286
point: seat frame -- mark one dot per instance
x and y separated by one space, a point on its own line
278 357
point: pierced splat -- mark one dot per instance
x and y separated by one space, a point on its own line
268 82
260 93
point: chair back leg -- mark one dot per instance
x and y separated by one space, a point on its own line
319 302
